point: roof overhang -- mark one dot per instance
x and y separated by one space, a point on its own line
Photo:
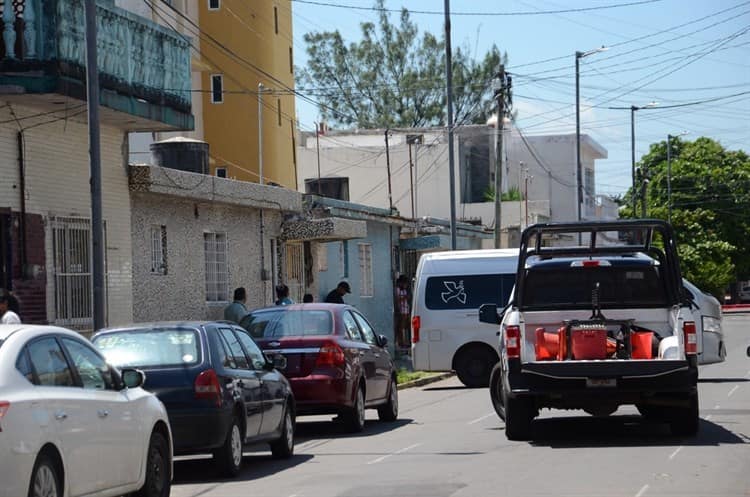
328 229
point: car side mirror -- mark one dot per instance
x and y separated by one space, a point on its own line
748 351
488 314
277 361
382 341
133 378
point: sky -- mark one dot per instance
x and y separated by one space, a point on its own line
665 52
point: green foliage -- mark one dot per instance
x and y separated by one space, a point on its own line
393 77
513 194
710 198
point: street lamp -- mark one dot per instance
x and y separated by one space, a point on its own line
669 173
579 181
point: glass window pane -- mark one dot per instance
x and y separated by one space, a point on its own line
351 327
255 354
235 348
23 365
50 364
367 330
150 347
92 369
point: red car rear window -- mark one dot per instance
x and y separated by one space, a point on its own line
284 323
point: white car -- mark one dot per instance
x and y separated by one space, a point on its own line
72 425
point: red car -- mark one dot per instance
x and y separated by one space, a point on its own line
333 358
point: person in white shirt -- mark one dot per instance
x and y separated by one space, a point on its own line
6 315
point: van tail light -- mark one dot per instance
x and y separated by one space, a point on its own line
691 338
416 323
207 387
4 406
330 355
513 342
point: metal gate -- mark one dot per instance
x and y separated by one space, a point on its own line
71 242
294 269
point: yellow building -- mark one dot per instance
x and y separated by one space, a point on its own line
245 43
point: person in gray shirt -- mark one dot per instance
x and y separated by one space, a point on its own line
236 310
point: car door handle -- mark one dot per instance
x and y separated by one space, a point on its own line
102 413
60 415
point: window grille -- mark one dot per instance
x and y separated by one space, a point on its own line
214 4
158 249
217 269
365 270
295 270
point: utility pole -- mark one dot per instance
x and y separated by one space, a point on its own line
411 178
388 169
644 187
502 87
260 133
317 146
95 166
449 98
633 108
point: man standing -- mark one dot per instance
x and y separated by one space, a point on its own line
6 315
336 296
236 310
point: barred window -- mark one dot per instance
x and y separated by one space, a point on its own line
158 249
217 269
365 270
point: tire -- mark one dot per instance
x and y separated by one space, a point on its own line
355 415
389 410
283 447
158 480
45 478
650 412
684 421
496 394
519 413
474 365
228 457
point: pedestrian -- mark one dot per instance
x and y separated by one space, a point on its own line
307 298
336 296
403 311
282 295
6 315
236 310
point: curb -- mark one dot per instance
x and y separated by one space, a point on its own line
425 381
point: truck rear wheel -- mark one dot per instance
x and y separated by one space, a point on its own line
474 364
684 421
496 393
519 413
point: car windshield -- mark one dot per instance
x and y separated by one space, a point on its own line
285 322
150 347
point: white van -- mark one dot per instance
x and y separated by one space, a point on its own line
449 288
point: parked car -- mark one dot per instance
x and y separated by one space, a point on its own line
220 391
72 425
707 317
334 359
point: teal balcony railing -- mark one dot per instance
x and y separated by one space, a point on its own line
137 57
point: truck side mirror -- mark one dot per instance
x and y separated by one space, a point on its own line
488 314
748 351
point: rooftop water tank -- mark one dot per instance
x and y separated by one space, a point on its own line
185 154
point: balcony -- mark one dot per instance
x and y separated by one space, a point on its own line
144 68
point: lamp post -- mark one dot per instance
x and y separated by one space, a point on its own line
669 173
579 180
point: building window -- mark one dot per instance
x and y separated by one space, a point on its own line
276 19
344 259
217 88
217 270
365 270
158 249
278 110
291 62
221 172
214 4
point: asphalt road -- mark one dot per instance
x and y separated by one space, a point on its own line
449 442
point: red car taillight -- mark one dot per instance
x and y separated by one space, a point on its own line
4 406
416 323
330 355
207 386
513 342
691 338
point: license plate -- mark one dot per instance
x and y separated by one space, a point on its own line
601 382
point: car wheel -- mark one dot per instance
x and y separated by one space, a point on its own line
355 415
45 480
496 393
283 447
684 421
158 480
228 457
519 413
473 366
651 412
389 410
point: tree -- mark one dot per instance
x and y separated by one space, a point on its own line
394 78
710 208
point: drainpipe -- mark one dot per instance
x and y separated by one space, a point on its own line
22 222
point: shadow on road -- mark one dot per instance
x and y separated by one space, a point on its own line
309 430
623 431
722 380
452 387
254 466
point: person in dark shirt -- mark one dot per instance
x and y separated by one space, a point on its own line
336 296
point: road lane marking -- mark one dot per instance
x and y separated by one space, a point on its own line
673 454
642 490
733 390
400 451
480 419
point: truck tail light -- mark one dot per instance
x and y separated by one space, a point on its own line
4 406
416 323
691 338
207 386
513 342
330 355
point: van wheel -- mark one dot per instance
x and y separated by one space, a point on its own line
473 366
684 421
519 413
496 394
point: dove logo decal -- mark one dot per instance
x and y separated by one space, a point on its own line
455 292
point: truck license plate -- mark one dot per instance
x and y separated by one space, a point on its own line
601 382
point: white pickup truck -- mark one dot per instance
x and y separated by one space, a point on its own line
599 318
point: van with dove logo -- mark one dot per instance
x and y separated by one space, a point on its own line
449 287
